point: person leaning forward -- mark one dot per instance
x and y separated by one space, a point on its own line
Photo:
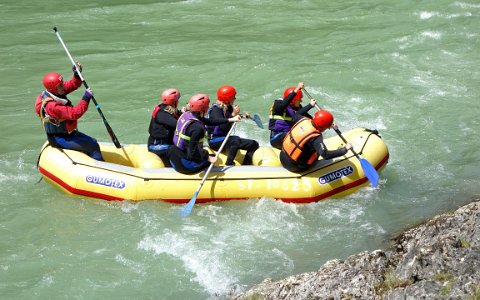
188 156
286 112
224 108
303 144
59 116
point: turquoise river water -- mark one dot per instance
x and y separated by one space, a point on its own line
409 69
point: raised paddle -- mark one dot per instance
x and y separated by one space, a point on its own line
368 169
109 129
187 208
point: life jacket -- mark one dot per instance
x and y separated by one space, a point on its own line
180 137
216 131
284 121
159 133
50 124
295 140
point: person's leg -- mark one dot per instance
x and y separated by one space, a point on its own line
81 142
161 152
177 159
289 164
276 140
232 146
251 146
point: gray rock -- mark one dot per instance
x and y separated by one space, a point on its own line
436 260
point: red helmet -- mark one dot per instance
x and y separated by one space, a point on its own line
51 81
323 119
287 92
226 94
170 97
199 103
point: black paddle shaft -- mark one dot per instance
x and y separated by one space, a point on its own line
105 122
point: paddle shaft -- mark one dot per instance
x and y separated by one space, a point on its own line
216 156
369 171
335 127
109 129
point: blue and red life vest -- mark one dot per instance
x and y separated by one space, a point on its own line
53 125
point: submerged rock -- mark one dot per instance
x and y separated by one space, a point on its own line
436 260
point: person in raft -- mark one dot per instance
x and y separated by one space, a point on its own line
224 108
60 117
286 112
163 124
303 144
187 156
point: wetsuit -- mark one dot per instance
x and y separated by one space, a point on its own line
234 143
282 118
161 130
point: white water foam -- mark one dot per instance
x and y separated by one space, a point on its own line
203 261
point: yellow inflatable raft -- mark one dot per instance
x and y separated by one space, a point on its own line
133 173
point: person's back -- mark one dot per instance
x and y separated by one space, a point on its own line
163 123
303 144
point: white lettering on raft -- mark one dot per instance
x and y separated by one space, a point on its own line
335 175
114 183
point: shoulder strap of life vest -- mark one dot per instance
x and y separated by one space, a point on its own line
44 116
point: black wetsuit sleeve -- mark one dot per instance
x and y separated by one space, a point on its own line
303 111
279 106
215 121
322 150
166 119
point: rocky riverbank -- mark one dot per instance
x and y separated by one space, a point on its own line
436 260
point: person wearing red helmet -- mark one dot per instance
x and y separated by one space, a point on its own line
187 156
303 144
224 108
59 116
163 124
286 112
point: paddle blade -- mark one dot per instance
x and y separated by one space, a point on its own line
257 120
370 172
187 208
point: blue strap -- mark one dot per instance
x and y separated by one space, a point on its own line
217 139
277 135
158 147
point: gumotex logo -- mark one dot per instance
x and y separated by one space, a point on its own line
335 175
114 183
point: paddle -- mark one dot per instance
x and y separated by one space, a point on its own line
109 129
187 208
368 169
255 118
